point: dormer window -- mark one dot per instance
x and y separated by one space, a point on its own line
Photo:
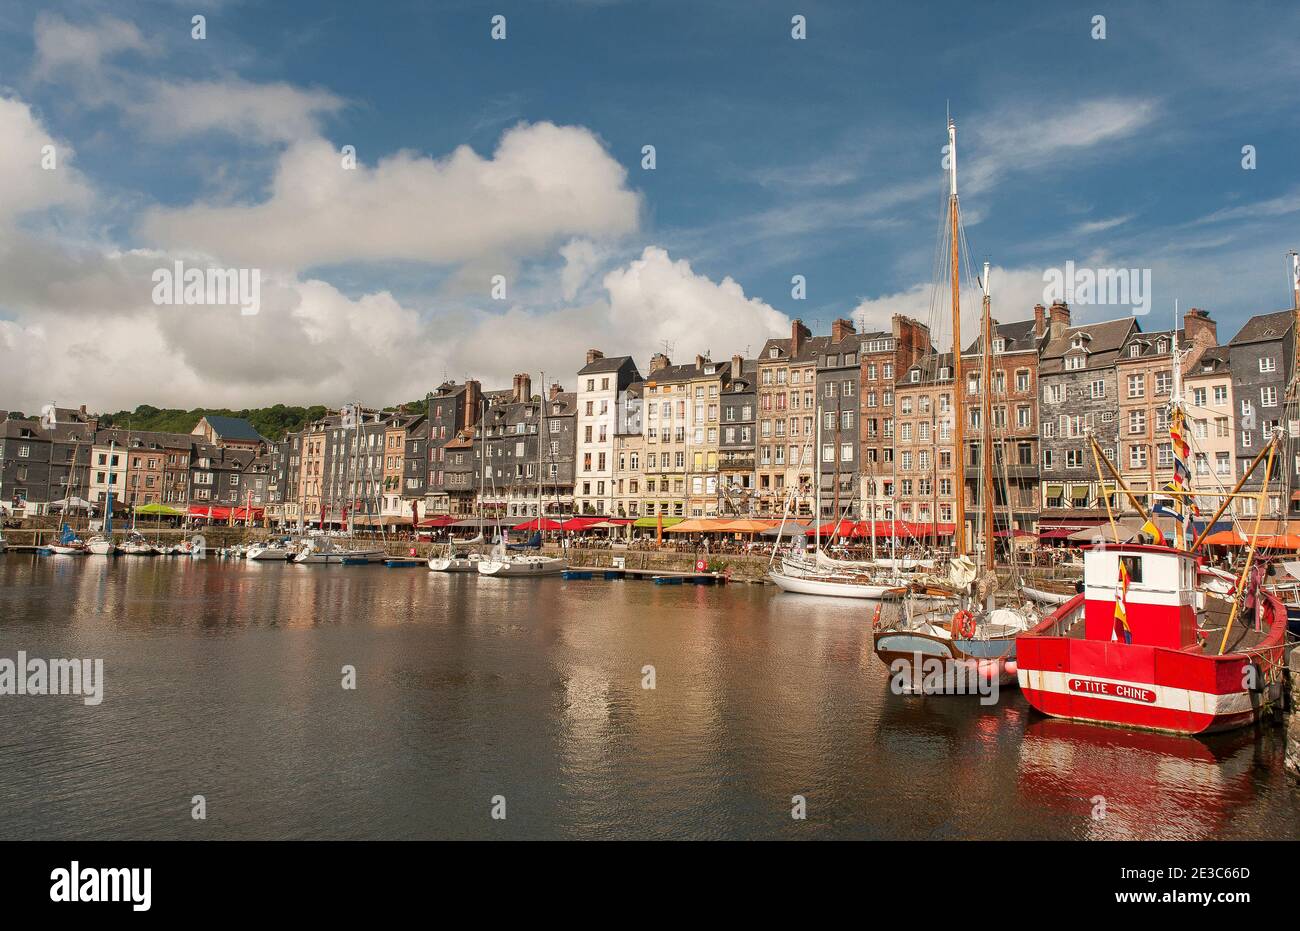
1161 347
1076 343
1073 363
710 369
774 353
945 373
1134 351
999 345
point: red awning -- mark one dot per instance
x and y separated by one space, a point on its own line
212 511
580 523
1059 533
1015 533
538 523
844 528
242 513
443 520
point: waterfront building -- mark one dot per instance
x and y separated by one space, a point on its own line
738 445
629 452
706 380
107 467
396 509
1261 359
25 450
148 476
1014 408
1078 395
218 475
787 388
601 384
839 376
451 409
883 356
667 419
923 486
1207 395
1144 376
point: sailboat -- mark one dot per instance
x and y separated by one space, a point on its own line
827 576
502 563
102 544
978 641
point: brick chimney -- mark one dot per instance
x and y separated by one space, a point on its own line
473 397
1059 318
1199 329
699 362
737 366
556 390
659 361
523 388
913 338
593 355
840 329
798 333
1040 320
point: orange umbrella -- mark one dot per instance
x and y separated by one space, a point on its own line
1225 538
1282 541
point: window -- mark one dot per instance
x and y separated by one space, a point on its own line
1220 395
1047 459
1198 397
1137 386
1267 364
1268 396
1137 457
1133 566
1137 421
1074 459
1073 363
1097 390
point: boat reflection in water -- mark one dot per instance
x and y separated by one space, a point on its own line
1124 784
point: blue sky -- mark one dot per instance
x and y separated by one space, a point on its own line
775 157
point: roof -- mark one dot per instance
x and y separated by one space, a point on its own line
1018 336
232 428
1103 341
1214 361
929 366
1264 327
605 364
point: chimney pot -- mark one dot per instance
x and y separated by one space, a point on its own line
840 329
593 355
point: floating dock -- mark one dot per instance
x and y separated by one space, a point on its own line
658 576
405 562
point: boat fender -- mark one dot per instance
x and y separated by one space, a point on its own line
875 619
963 624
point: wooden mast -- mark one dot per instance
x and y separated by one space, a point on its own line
986 442
958 409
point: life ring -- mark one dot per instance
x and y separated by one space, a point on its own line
963 624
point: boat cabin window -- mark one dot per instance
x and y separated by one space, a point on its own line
1134 566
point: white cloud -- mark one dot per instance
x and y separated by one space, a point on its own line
24 184
255 112
1099 226
71 53
542 183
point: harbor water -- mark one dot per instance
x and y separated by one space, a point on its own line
576 709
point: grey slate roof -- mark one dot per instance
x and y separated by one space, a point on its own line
233 428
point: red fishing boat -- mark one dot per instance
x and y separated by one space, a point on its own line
1146 645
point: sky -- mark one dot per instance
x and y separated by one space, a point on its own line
498 214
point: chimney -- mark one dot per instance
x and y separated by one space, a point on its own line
1040 320
1199 329
593 355
699 362
1059 318
473 397
523 388
659 361
798 333
556 390
737 366
840 329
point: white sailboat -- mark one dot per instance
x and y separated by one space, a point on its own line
325 550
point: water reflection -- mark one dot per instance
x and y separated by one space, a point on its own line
225 679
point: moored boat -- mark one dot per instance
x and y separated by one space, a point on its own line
835 586
322 550
1142 647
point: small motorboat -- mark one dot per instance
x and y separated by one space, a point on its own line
270 551
136 545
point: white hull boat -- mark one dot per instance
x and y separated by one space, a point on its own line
323 551
835 587
101 546
467 562
522 566
1044 596
269 552
66 549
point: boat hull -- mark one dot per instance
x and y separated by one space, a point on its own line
521 568
1142 686
830 589
336 559
1045 596
985 660
269 553
58 549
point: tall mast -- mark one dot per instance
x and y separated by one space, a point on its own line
986 415
1181 481
959 438
1295 326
